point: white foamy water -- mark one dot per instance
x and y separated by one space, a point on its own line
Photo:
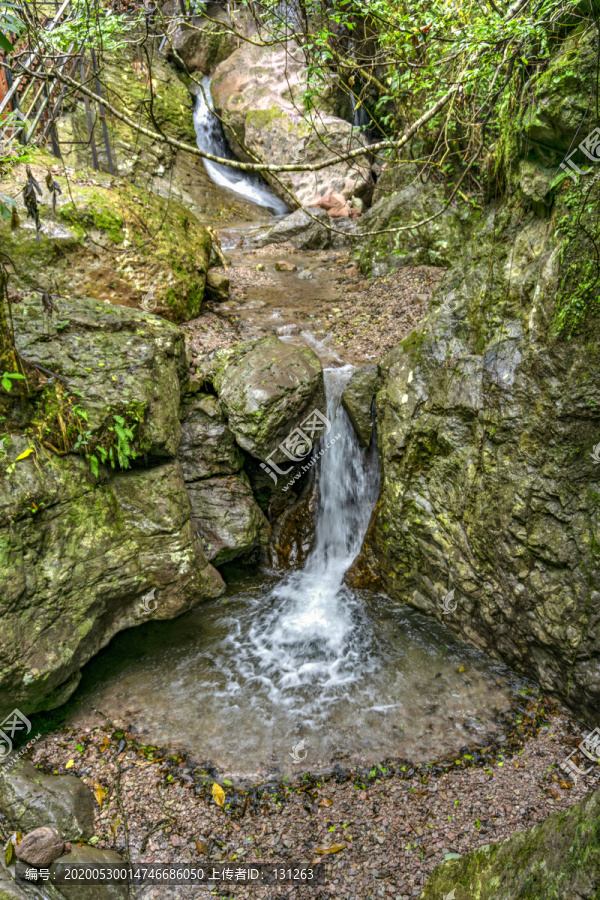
210 138
280 660
308 636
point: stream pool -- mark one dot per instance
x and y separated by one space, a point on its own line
296 671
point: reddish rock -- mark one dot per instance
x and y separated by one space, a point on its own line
40 847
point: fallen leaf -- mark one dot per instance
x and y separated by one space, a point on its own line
9 851
149 762
70 764
100 793
114 826
201 847
104 745
333 848
218 794
326 802
24 454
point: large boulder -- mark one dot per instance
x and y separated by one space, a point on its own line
489 423
207 445
227 516
78 554
258 91
112 242
29 800
116 361
268 389
302 230
558 859
201 44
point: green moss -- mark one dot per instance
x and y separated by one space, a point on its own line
97 213
578 296
413 344
262 118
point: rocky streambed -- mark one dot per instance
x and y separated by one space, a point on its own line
342 597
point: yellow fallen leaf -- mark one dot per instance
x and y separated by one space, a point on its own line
114 826
24 454
149 762
218 794
104 745
70 764
326 802
9 851
461 669
100 793
333 848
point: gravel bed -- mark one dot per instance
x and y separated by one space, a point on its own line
385 830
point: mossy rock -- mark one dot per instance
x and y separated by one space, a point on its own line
267 387
556 860
77 556
109 241
153 164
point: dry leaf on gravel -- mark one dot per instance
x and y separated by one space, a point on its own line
100 793
218 794
332 848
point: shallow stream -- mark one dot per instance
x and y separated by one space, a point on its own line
299 671
295 671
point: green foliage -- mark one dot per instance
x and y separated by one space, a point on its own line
396 59
578 292
10 24
93 25
115 444
8 378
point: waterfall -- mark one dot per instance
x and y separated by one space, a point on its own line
210 138
283 669
308 634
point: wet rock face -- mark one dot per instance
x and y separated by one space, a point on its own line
268 388
357 400
225 512
486 426
487 421
558 859
258 92
294 533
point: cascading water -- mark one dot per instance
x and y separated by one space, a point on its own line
210 138
308 637
303 661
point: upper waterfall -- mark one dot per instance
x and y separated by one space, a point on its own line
210 138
